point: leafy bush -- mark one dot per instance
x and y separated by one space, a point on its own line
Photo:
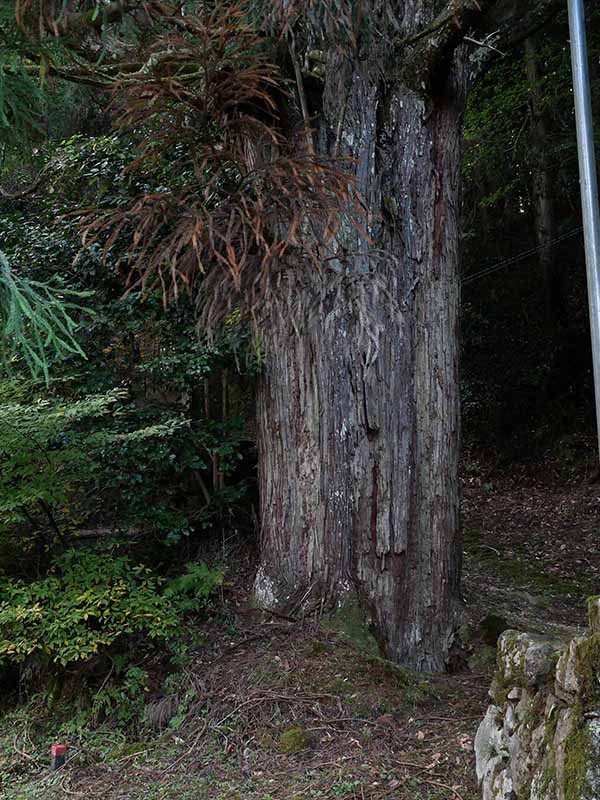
42 451
164 458
90 602
86 603
124 701
192 589
99 459
107 460
144 442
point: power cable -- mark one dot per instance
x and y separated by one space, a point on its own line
520 256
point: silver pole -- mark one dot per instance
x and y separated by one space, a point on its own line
588 181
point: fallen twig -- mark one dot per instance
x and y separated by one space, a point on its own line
69 791
489 547
457 794
187 752
22 752
411 765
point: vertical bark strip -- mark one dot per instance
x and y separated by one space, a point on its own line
358 411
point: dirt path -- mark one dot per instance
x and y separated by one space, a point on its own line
531 548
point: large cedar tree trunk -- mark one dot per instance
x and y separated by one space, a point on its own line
358 410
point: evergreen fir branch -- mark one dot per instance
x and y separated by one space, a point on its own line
37 321
21 101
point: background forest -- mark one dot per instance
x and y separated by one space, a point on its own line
128 488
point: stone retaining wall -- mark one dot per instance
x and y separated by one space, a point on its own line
540 738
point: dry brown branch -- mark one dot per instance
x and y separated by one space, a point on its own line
247 191
20 752
189 751
454 791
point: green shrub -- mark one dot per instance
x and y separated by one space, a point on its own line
89 601
166 458
86 603
124 701
45 451
192 590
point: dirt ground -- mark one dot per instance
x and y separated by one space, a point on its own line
270 709
281 711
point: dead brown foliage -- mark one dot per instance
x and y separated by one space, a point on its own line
244 187
338 21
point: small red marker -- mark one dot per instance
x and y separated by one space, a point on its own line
58 752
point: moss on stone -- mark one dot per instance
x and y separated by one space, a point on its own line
499 690
527 659
576 761
509 652
548 775
294 740
593 611
549 762
550 726
561 668
588 667
534 715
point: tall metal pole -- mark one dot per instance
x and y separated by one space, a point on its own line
588 181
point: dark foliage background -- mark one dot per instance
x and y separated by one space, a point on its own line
526 354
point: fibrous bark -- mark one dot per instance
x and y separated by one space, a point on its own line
358 409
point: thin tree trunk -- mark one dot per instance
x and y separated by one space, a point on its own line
542 190
358 409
